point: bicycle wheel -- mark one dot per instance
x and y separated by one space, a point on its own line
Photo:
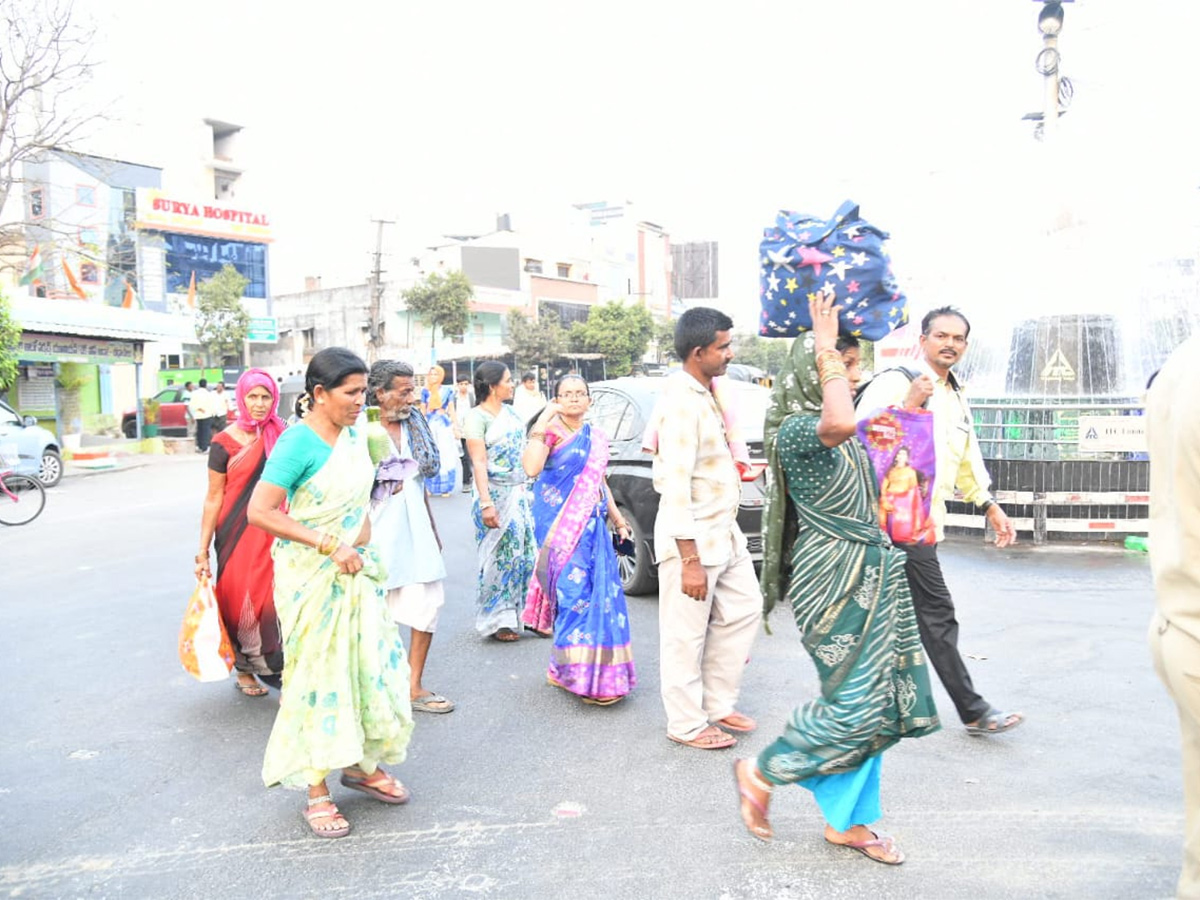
26 502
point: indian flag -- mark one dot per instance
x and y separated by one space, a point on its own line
34 273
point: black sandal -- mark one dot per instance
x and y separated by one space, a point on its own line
994 722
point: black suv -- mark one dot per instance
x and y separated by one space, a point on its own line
622 407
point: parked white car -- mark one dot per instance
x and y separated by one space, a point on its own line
37 449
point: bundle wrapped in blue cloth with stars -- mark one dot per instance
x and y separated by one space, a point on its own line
801 255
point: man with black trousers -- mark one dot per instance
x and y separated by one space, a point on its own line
944 335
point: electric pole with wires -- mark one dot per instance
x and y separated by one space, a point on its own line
375 293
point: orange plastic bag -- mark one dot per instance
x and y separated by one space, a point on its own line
204 647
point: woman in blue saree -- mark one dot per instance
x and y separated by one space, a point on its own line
437 405
826 554
576 587
495 438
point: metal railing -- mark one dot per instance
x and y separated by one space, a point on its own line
1046 428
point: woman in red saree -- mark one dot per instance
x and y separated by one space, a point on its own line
245 578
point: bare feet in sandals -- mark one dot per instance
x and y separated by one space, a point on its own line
711 738
248 685
860 838
379 784
323 816
755 794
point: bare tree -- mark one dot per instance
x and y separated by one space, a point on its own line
45 57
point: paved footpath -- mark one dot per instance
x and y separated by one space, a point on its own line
122 777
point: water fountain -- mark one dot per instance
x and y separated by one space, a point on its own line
1095 281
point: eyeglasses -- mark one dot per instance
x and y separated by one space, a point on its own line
573 395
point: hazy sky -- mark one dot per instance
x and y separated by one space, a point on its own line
709 117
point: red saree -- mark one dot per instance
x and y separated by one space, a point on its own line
245 575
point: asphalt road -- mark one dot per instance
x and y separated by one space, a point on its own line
120 776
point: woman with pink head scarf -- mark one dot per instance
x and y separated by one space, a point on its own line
245 576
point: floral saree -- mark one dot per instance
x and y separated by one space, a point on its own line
506 554
345 698
576 588
245 586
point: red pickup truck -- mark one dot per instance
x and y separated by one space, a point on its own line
172 415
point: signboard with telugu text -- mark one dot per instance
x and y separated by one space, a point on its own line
68 348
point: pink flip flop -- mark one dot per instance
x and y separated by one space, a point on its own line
368 784
885 843
763 832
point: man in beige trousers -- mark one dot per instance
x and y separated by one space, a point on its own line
1173 427
709 604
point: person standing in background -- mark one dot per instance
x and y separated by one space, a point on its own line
1173 432
464 399
200 406
528 401
220 406
437 405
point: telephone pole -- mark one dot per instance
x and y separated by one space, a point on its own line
375 291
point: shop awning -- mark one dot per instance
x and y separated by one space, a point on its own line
97 320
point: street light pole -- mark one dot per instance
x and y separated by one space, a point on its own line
1050 21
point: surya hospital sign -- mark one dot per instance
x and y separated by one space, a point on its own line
157 211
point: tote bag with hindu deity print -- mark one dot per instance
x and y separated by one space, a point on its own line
900 445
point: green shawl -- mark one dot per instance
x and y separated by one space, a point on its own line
797 390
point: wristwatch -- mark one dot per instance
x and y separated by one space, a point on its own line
988 504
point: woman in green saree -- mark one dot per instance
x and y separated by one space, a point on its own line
825 552
345 700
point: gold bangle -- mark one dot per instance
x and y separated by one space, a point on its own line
327 545
202 557
687 559
829 378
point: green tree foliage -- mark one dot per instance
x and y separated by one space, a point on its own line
222 323
622 333
10 337
533 342
768 354
441 301
664 339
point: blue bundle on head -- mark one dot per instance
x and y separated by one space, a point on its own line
803 255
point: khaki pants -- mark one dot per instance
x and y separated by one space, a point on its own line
703 645
1177 661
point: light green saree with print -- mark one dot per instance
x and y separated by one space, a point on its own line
345 698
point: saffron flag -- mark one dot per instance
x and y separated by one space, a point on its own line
34 273
131 299
79 291
191 301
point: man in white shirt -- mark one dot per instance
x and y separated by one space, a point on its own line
220 407
1173 432
200 405
528 401
959 465
709 602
